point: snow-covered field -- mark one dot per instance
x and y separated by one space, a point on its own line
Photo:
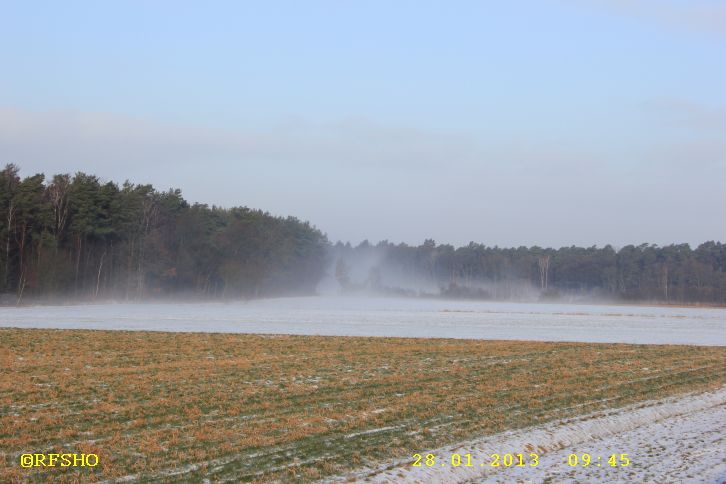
679 439
342 316
673 440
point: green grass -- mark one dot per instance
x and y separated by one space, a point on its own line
249 407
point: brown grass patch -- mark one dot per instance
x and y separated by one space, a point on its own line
248 407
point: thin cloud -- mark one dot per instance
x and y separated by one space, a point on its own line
688 114
82 138
358 179
696 15
63 140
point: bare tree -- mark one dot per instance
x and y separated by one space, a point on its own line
11 215
544 267
98 276
58 194
21 286
149 212
11 180
664 280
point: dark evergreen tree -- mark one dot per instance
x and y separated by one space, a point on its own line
76 236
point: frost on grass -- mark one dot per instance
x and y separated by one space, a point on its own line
154 404
672 440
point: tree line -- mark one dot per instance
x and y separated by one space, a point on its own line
671 274
76 236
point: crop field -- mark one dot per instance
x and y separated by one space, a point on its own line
170 406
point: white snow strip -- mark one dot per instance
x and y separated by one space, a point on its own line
424 318
372 431
671 440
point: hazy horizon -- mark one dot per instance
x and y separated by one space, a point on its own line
552 123
374 242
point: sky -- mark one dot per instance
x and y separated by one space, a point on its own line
548 122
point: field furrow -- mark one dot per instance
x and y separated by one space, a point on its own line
172 406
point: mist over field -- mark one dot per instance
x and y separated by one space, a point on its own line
374 241
80 238
358 315
645 273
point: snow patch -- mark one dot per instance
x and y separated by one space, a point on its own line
679 439
401 317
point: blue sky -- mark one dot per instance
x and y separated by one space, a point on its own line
545 122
